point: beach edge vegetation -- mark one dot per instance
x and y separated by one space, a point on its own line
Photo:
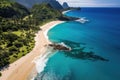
18 26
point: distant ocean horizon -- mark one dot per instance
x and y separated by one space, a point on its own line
95 47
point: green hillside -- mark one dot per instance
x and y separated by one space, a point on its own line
10 9
18 26
44 12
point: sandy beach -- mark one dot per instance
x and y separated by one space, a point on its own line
21 69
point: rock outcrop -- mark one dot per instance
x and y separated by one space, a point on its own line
55 4
59 47
65 5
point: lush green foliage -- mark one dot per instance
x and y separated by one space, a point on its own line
44 12
0 74
10 9
16 34
18 26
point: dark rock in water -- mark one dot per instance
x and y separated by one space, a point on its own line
80 54
77 51
65 5
71 43
59 47
74 50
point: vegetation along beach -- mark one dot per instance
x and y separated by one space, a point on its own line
59 40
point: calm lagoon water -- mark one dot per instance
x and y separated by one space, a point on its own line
101 35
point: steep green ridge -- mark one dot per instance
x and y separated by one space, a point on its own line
44 12
18 26
10 9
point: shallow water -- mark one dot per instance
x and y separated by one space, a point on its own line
101 35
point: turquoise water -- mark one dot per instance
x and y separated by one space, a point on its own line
95 44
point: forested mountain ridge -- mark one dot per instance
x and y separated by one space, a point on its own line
9 9
44 12
29 3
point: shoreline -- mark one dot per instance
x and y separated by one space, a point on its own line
64 12
23 67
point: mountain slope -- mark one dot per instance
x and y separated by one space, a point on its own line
29 3
10 9
44 12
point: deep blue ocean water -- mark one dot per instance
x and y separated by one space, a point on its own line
101 35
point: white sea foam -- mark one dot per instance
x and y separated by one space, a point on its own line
65 11
63 44
41 60
46 31
33 78
82 20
